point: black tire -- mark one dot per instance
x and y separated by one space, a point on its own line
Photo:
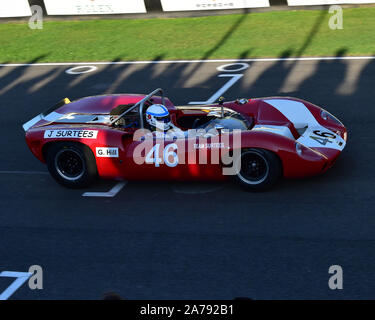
71 164
260 169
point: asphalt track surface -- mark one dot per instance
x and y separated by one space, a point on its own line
192 240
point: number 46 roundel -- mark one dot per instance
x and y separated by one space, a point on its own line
322 137
169 155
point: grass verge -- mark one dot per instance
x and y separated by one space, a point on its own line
270 34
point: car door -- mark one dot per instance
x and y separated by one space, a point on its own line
189 158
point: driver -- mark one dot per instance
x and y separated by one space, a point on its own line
159 120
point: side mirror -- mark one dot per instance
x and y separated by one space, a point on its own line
221 102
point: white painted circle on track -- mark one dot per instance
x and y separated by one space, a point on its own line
237 67
81 70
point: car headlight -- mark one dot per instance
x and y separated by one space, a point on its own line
324 114
329 117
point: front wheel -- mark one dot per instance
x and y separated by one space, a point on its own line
71 164
259 170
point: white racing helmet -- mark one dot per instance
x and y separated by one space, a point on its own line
157 116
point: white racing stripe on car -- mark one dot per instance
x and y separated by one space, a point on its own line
53 116
315 136
27 125
295 111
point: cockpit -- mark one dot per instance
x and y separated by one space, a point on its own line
185 117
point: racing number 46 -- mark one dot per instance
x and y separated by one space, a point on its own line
323 137
168 153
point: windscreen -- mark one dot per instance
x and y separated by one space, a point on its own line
229 123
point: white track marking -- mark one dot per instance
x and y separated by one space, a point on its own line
22 277
23 172
242 67
111 193
86 69
222 90
181 61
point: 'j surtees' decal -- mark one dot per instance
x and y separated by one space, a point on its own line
77 134
103 152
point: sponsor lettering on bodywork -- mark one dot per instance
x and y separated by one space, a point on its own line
217 145
105 152
75 134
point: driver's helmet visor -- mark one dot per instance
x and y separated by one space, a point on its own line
164 119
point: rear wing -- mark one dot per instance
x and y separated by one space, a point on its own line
44 115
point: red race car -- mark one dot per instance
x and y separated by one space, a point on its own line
146 137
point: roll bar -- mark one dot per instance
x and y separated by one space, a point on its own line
141 104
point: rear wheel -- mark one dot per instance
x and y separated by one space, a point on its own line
259 170
72 165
